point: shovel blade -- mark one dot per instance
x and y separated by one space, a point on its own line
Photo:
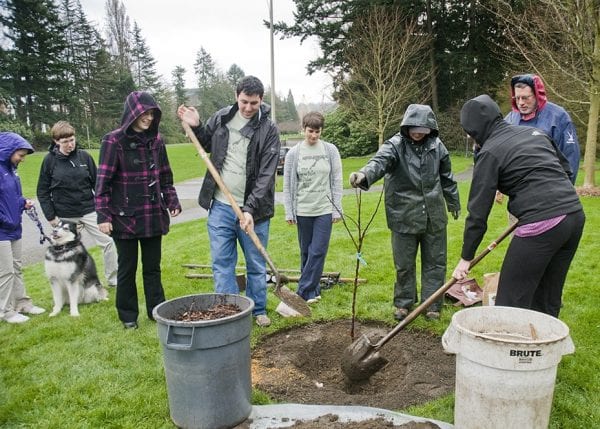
361 360
292 300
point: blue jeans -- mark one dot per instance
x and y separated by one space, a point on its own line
224 232
313 236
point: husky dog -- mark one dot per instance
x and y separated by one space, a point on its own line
71 270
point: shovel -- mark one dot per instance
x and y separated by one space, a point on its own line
283 293
361 359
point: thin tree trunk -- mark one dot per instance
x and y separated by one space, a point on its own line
433 83
381 127
589 161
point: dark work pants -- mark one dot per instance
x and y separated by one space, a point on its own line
127 299
535 268
433 266
313 236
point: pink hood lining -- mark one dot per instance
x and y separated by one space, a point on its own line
539 91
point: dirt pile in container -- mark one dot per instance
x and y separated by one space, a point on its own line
214 312
331 421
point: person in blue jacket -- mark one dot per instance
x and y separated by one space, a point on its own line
13 299
530 107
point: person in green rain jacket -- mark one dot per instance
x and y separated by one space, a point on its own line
418 179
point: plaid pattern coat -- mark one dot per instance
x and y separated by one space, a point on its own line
134 184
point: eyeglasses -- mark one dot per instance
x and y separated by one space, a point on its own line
523 97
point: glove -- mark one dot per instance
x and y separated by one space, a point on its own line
455 214
356 179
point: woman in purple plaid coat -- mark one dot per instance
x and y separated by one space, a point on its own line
134 198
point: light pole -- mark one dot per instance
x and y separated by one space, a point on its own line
273 95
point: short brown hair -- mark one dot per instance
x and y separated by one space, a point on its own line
61 130
314 120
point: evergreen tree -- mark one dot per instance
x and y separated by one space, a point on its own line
214 89
291 106
234 74
205 69
143 65
179 84
78 37
33 68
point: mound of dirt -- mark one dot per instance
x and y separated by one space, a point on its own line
330 421
302 365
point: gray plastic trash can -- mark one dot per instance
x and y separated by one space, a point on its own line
207 363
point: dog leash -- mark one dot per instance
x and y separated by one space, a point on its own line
33 215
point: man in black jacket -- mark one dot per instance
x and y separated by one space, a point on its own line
244 146
523 163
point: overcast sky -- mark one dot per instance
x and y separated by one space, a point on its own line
231 31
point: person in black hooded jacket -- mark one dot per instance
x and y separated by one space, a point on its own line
419 189
65 191
525 164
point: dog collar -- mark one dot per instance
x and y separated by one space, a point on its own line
66 246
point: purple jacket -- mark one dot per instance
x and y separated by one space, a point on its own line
134 184
12 202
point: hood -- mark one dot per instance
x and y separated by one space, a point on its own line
137 103
11 142
535 83
479 116
419 115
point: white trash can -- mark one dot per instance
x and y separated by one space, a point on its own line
506 360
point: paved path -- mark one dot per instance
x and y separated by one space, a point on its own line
187 191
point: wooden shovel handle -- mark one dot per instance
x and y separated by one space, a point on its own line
234 205
441 291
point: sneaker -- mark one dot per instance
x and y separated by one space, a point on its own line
312 301
34 310
16 318
318 297
130 325
432 315
400 313
263 320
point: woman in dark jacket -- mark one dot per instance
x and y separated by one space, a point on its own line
134 198
525 164
65 190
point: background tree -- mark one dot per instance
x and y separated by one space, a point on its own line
214 89
178 74
143 64
32 69
118 32
234 74
388 69
291 106
205 69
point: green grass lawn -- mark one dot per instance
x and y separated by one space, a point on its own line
88 372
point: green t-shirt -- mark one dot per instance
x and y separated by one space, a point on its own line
313 180
234 166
